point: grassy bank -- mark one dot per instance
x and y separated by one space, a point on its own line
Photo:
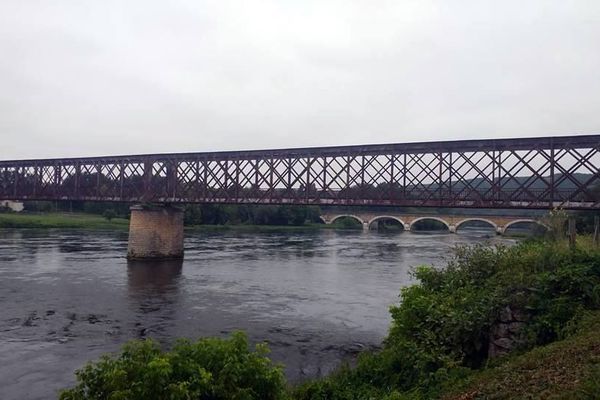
567 369
60 220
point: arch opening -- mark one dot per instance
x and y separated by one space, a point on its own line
386 223
476 225
347 221
524 227
429 224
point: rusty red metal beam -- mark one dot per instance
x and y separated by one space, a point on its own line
499 173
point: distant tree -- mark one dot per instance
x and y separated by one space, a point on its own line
109 214
192 215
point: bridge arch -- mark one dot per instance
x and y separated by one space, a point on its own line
412 224
487 221
359 219
380 217
528 220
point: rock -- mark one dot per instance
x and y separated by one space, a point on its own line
506 314
515 327
500 330
504 343
520 316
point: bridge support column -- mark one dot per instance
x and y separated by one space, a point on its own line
452 228
155 232
500 230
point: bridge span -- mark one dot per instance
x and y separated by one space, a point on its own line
524 173
452 222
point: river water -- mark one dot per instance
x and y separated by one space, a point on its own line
316 297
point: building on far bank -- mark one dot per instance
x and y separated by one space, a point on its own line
16 206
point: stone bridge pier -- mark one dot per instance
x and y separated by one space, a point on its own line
155 232
452 222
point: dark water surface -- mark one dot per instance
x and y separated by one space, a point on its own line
318 298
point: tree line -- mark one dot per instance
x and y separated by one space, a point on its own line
196 214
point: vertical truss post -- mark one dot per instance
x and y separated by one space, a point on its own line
404 178
362 175
451 196
16 181
196 185
77 178
552 164
440 179
348 184
171 178
121 179
147 180
98 173
205 188
271 173
237 180
36 178
56 181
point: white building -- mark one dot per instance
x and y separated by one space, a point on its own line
16 206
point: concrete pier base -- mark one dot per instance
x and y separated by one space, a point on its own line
155 232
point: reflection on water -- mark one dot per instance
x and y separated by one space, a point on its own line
153 277
316 297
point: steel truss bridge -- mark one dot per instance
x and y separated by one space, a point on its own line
543 172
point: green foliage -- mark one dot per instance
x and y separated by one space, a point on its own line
59 220
556 222
210 369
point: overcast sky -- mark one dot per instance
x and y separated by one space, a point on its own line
118 77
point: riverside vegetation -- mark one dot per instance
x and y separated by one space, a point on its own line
440 343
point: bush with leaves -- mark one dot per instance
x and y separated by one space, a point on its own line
210 369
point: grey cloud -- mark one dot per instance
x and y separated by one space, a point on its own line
113 77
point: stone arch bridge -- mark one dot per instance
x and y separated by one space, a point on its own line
452 222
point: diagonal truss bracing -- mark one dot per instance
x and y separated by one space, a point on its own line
508 173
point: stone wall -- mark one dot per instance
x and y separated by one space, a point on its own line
506 333
155 232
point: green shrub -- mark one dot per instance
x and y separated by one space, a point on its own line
210 369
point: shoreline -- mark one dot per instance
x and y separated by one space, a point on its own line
65 220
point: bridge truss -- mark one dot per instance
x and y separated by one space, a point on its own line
507 173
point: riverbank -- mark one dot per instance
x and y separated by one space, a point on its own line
61 221
94 221
567 369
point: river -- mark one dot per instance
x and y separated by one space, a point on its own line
317 297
